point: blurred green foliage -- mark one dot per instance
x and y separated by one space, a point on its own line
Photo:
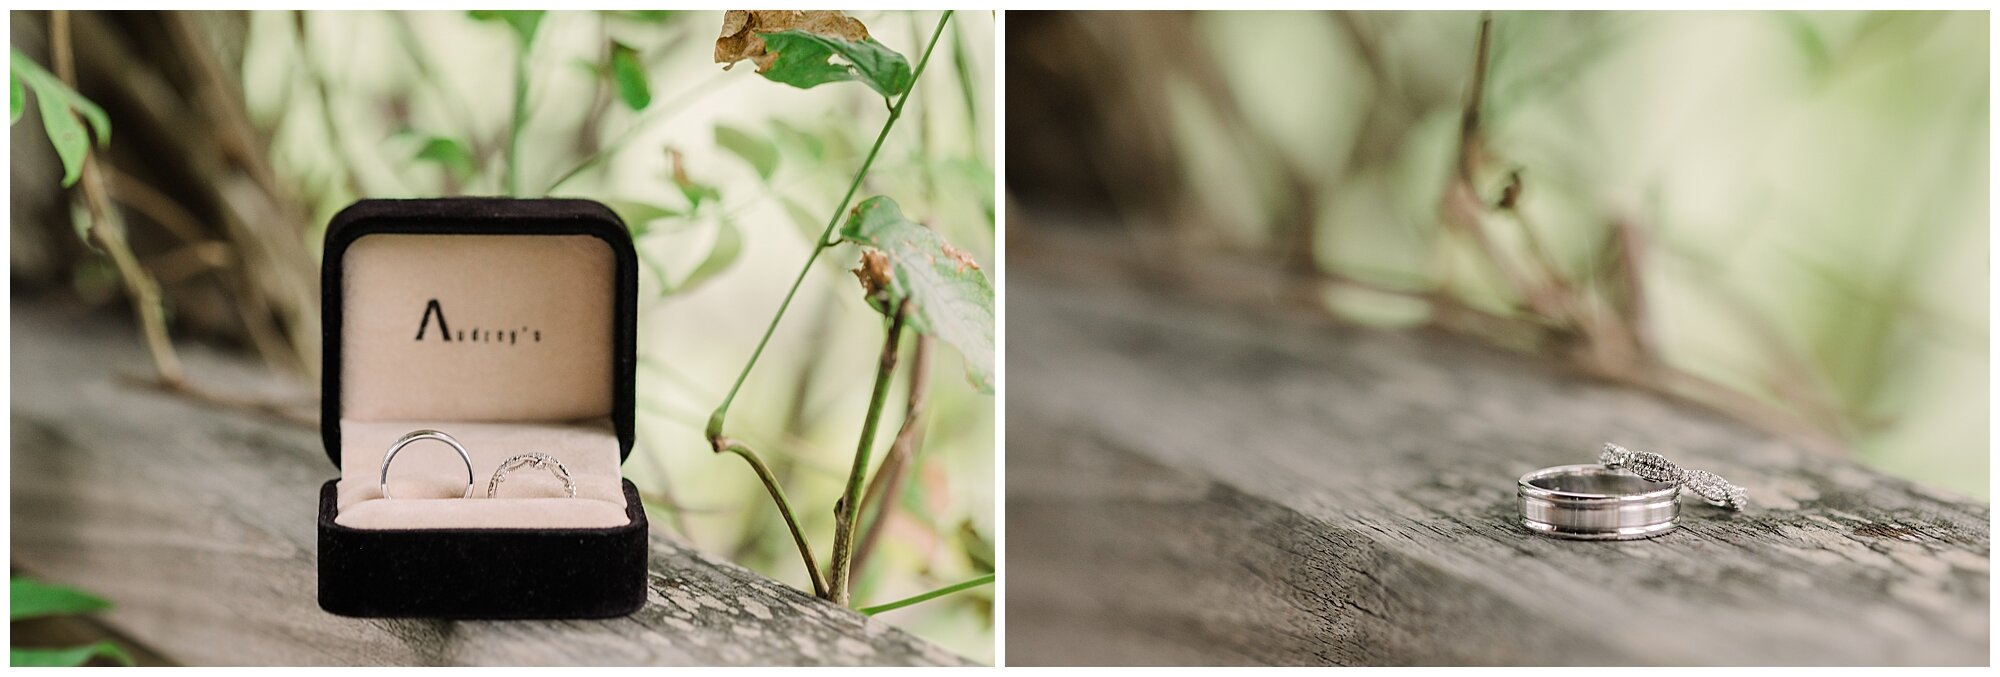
1805 193
30 599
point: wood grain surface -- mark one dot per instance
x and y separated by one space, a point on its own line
1198 482
198 524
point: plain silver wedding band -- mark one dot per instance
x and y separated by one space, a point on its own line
1591 502
417 435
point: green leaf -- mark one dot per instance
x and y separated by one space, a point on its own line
99 122
644 16
65 132
524 21
810 225
803 62
760 153
630 76
639 216
59 106
977 547
950 296
812 144
696 192
34 599
728 247
17 98
66 658
449 153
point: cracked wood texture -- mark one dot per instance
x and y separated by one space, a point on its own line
198 524
1193 481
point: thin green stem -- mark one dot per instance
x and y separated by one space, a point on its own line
715 420
847 511
928 596
520 121
784 507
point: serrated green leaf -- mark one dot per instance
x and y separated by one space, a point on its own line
524 21
34 599
728 247
66 658
804 62
949 294
449 153
629 74
760 153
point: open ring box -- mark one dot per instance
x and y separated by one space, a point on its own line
508 324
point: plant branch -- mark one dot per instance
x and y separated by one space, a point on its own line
928 596
107 231
784 508
715 421
848 508
888 481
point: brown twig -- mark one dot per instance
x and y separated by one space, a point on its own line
237 137
268 408
107 230
189 260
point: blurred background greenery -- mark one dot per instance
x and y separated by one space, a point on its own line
1781 214
238 135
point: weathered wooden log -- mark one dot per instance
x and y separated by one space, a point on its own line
199 525
1193 482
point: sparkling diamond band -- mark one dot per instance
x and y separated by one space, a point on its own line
1657 468
1592 502
536 459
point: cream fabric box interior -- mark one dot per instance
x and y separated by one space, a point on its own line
509 325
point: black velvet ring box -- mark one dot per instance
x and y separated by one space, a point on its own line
509 325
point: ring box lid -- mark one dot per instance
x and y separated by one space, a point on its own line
499 347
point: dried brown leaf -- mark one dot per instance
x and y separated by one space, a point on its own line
740 37
874 272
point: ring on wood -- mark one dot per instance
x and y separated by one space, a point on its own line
416 435
537 459
1707 485
1592 502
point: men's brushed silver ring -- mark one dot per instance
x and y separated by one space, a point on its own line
419 435
1592 502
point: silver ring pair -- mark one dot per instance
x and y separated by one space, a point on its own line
1626 495
536 459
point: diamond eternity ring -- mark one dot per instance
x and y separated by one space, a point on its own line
1657 468
536 459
